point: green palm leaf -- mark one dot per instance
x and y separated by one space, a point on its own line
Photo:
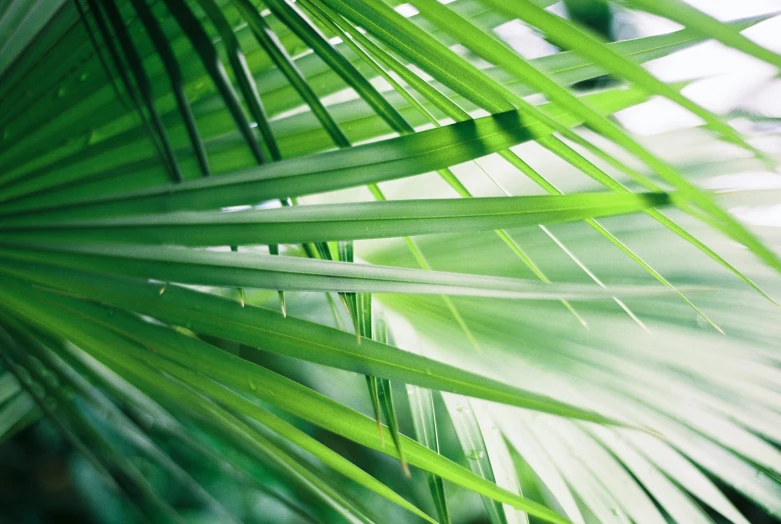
169 169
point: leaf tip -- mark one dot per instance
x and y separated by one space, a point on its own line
405 469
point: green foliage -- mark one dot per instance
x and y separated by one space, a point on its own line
220 220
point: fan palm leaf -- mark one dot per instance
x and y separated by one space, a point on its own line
426 198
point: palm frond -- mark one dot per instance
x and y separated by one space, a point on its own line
170 170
